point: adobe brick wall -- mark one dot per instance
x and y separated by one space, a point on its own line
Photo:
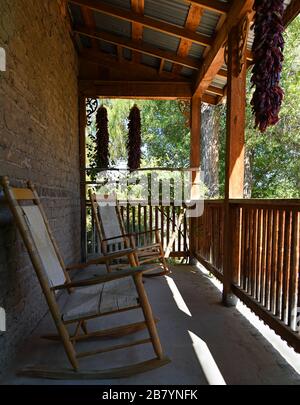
39 141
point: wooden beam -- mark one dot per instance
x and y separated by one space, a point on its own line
131 89
195 162
137 29
112 62
89 20
212 5
215 57
292 11
235 158
82 165
148 22
192 23
195 150
136 46
163 90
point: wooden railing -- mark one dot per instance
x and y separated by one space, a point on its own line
264 257
139 218
209 234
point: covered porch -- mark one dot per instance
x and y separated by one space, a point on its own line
197 51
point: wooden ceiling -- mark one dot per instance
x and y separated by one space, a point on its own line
130 66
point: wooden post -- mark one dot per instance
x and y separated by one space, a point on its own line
195 162
82 166
235 151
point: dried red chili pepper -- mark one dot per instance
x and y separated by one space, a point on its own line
268 57
134 141
102 139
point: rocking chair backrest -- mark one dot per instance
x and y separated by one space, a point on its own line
108 219
36 234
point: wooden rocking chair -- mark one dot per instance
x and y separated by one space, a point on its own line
112 235
87 298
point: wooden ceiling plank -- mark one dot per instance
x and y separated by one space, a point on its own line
148 22
139 47
215 57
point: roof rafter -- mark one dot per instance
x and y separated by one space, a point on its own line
192 23
215 57
112 62
137 29
148 22
139 47
150 73
293 9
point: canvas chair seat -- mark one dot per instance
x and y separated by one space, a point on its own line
100 299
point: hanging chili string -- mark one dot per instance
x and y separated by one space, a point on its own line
134 139
102 139
268 58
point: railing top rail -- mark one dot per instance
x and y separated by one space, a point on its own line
143 169
267 202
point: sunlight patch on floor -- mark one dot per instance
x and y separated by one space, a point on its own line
286 352
177 296
206 360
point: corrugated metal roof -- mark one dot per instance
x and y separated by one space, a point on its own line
187 71
208 23
108 48
112 25
219 82
150 61
160 40
118 3
168 66
127 53
76 14
174 11
196 51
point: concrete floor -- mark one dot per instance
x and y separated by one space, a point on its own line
207 343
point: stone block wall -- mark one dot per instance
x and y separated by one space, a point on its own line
38 141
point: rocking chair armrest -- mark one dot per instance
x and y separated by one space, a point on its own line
102 259
146 232
102 279
124 235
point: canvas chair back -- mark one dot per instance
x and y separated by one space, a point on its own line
108 219
35 230
38 231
